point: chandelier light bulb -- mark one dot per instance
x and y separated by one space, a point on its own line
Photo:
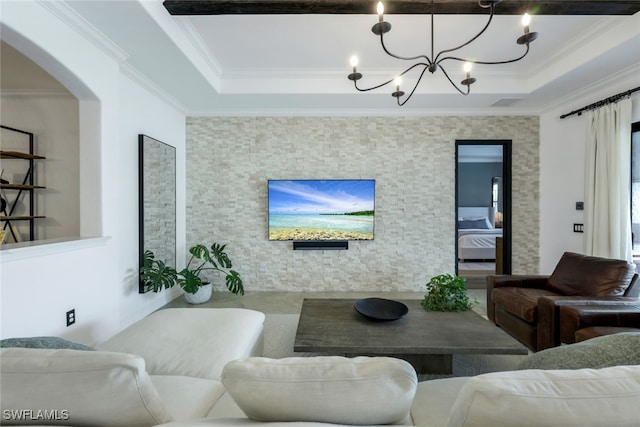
528 37
467 69
355 75
380 9
398 93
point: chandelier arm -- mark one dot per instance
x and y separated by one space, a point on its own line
452 83
424 70
455 58
412 58
468 42
355 82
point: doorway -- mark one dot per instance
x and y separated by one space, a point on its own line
482 209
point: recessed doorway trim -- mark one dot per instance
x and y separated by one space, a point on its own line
506 148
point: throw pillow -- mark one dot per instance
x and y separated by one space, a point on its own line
330 389
43 342
474 224
567 398
599 352
80 388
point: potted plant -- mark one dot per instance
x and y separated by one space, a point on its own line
447 293
156 275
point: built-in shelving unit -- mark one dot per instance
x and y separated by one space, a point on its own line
13 192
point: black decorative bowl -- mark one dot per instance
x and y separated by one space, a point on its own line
380 308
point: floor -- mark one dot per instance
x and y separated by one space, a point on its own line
291 302
476 272
478 266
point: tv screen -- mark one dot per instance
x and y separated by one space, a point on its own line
321 210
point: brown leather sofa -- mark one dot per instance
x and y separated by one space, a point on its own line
527 306
583 322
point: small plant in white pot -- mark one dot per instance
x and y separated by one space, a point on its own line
156 275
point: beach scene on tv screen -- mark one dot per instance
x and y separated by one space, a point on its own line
321 210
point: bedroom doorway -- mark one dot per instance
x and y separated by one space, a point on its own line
483 209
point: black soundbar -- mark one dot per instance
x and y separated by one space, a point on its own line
329 245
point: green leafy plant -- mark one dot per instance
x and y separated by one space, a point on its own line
156 275
447 293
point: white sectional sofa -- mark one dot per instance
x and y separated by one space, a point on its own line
201 367
541 398
163 368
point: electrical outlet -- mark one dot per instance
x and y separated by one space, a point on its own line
579 206
578 228
71 317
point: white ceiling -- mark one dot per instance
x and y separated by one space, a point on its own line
297 64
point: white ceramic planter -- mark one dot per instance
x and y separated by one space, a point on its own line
203 295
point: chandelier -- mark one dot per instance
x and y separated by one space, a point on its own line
434 62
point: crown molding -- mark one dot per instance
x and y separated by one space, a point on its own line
134 74
193 36
75 21
186 38
594 31
386 112
581 96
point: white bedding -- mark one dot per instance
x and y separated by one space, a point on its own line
477 243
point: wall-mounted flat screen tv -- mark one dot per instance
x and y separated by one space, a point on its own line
321 210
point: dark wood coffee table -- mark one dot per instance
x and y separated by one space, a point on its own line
426 339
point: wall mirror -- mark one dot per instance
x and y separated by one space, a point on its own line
157 200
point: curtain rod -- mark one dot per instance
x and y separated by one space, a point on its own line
602 103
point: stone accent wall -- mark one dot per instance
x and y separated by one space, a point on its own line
229 160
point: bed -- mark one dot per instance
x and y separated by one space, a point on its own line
477 234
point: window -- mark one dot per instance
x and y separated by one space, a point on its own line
635 188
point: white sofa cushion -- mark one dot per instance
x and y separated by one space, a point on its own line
187 398
434 399
93 387
208 337
569 398
332 389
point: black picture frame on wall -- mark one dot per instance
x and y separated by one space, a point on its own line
156 200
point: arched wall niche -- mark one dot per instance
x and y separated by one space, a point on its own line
89 129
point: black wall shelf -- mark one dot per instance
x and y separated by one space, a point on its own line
27 185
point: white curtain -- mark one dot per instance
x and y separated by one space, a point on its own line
607 223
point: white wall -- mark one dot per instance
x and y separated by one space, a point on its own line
93 276
166 125
562 147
